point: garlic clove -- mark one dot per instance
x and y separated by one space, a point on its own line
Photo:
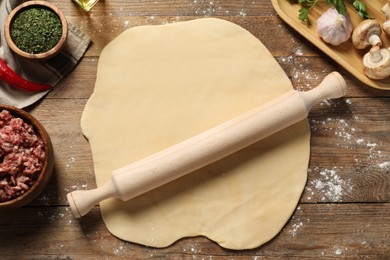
334 28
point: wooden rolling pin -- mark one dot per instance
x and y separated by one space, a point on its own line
208 147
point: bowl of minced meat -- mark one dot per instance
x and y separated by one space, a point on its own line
26 157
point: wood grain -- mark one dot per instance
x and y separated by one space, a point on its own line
348 231
344 211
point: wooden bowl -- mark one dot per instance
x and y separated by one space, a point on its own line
36 56
48 163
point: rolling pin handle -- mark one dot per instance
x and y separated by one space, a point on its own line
338 83
82 201
332 86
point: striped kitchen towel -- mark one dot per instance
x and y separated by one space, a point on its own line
48 72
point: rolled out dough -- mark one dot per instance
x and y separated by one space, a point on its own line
159 85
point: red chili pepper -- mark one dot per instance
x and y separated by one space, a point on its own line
16 81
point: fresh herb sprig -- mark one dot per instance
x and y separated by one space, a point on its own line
361 9
307 5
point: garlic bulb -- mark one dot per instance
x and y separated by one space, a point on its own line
334 28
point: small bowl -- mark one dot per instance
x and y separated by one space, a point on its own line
36 56
48 163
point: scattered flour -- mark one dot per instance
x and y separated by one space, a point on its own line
298 51
191 247
338 251
73 150
295 228
297 222
217 7
384 165
71 162
349 133
330 185
302 75
77 186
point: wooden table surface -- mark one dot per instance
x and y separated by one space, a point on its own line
344 211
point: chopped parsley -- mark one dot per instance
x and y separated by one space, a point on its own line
36 30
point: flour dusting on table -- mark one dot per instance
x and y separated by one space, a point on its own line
330 185
348 132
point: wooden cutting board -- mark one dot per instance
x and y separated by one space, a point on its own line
345 54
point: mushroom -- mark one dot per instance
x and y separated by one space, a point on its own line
376 63
386 10
367 33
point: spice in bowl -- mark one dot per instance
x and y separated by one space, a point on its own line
36 29
25 158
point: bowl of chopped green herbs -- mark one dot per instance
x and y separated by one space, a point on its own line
36 30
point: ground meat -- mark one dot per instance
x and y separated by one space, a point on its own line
21 156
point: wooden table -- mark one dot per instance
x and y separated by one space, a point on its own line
344 211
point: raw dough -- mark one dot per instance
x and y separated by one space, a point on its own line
159 85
